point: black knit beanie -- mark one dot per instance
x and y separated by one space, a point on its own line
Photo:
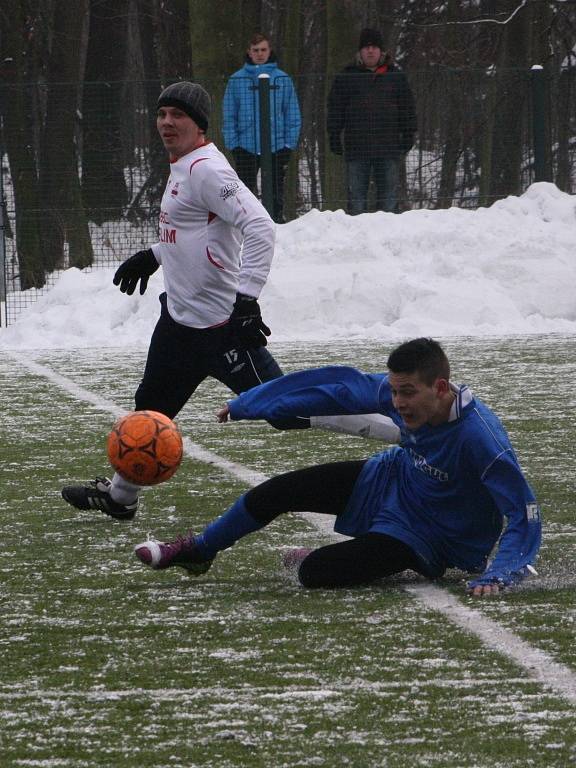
190 98
370 37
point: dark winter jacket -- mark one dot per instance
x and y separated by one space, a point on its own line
375 110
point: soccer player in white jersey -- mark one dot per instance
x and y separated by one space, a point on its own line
440 500
210 322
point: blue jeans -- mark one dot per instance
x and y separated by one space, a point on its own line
386 172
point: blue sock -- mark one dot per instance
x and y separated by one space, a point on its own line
225 531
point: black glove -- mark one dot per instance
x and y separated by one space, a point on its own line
245 323
406 142
336 144
137 267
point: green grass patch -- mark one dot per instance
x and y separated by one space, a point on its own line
106 663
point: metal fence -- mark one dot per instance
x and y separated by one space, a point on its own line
88 195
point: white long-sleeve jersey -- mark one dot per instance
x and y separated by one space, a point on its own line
207 214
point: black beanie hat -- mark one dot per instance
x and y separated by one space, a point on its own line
190 98
370 37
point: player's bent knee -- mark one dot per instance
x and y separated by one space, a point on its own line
313 573
309 577
350 563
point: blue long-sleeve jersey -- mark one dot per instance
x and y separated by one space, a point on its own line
445 491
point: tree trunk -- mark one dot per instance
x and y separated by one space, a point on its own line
452 119
16 111
273 19
214 63
311 91
512 90
566 89
148 155
172 44
59 182
104 111
340 49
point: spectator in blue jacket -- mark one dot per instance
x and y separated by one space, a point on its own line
241 119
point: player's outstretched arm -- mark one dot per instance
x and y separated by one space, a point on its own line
518 547
328 391
369 425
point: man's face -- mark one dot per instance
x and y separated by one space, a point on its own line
416 402
179 133
370 55
260 52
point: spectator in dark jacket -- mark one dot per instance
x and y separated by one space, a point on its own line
371 107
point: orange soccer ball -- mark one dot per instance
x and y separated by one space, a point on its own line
145 447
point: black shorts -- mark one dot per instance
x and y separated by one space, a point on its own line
180 358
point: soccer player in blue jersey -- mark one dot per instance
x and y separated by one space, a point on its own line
442 499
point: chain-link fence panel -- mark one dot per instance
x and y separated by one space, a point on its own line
388 141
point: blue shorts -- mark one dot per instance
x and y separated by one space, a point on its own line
374 507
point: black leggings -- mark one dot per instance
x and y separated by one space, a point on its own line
326 488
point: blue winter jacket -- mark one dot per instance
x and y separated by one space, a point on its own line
241 109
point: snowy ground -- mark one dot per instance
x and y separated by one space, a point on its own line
107 663
504 270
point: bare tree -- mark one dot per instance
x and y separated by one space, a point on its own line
16 109
311 84
163 54
342 25
104 188
171 26
468 63
58 169
272 22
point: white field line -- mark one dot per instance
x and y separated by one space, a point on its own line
539 665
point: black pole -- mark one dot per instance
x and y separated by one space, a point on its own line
266 143
3 296
539 123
